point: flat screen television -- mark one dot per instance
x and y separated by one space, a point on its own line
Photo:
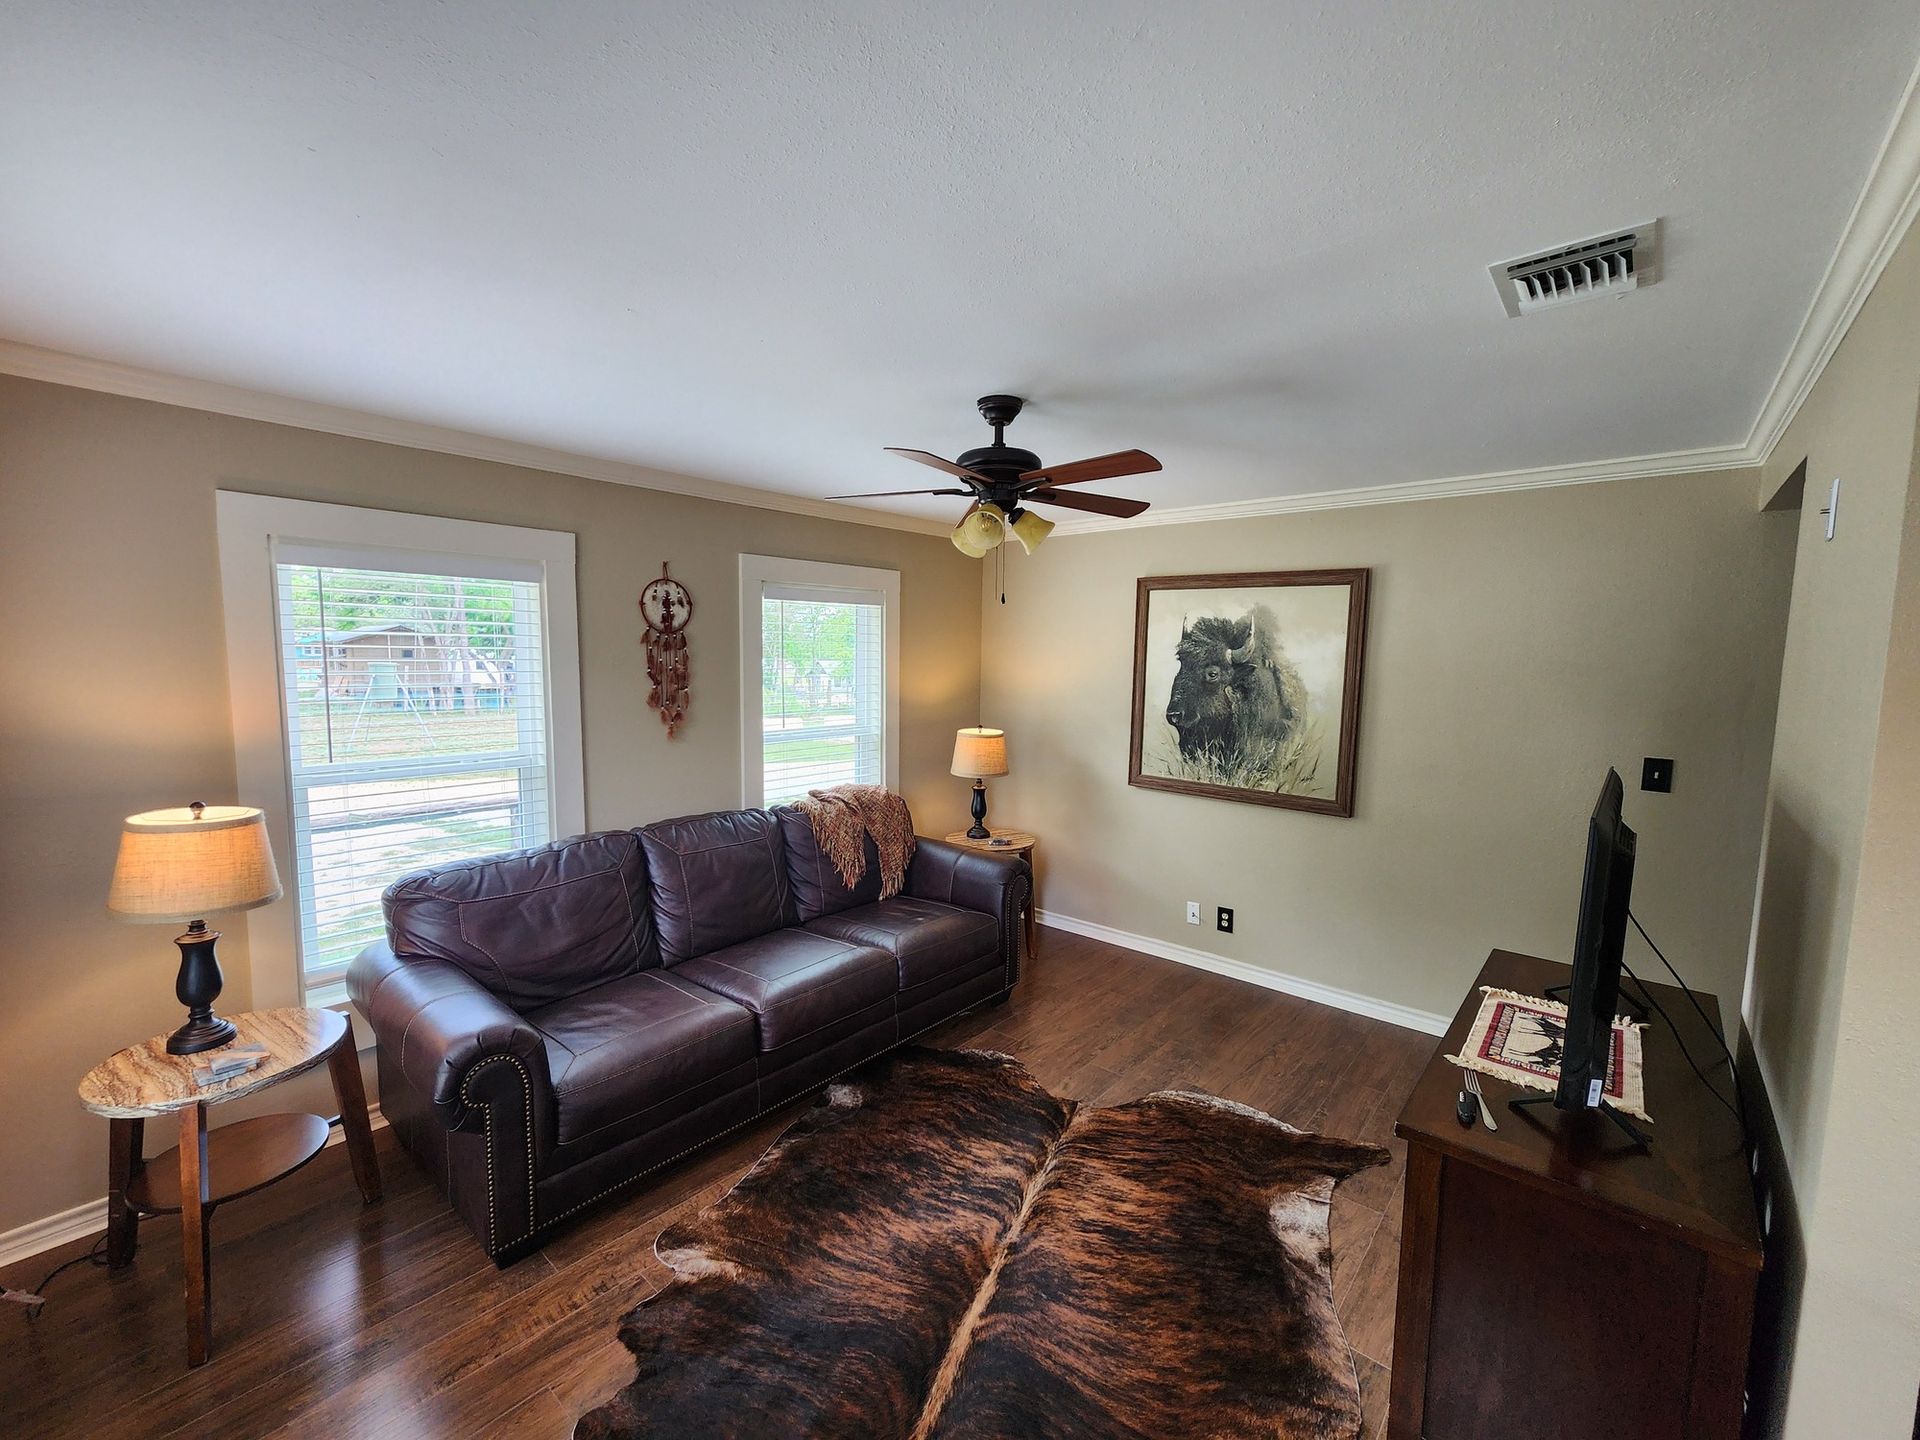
1599 940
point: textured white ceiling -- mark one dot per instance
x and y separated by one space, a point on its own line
757 242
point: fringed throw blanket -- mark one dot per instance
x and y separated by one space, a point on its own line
942 1250
844 816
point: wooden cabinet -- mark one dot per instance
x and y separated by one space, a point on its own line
1556 1282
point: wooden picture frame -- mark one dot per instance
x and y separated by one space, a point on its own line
1221 710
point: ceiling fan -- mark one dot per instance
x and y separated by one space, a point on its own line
1002 481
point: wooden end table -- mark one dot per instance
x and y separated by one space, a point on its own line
211 1168
1013 842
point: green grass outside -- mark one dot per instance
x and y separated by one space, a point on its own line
384 733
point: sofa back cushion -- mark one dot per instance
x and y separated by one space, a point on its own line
717 880
535 925
817 887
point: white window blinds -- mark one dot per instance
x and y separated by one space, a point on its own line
417 727
823 689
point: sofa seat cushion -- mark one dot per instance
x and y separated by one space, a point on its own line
633 1042
927 939
796 982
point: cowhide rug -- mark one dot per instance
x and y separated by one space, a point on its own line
941 1249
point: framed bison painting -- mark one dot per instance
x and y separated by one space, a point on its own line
1247 686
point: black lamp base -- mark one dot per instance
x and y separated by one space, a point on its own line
197 987
201 1033
979 830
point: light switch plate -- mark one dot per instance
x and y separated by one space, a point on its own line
1832 512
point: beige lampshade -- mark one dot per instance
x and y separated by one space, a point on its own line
177 866
985 528
1031 530
979 752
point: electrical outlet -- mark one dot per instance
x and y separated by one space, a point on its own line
1193 912
1223 919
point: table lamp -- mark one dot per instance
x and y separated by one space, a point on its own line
180 866
979 752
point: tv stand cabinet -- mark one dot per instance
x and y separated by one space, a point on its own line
1557 1280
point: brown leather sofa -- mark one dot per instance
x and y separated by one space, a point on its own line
556 1023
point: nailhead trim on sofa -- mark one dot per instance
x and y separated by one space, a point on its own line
494 1246
719 1135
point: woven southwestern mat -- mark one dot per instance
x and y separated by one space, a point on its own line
1520 1038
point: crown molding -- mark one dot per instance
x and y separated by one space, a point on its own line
1881 216
1880 219
56 367
1543 477
1885 209
31 362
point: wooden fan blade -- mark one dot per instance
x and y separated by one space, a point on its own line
1100 467
879 494
1098 504
937 463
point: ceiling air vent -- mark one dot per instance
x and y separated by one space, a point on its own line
1610 264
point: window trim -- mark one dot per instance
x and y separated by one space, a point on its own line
250 528
759 571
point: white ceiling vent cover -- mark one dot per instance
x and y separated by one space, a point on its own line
1611 264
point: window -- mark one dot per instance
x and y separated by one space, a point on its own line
400 756
423 707
819 688
821 678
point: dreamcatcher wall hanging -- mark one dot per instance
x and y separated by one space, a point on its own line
666 607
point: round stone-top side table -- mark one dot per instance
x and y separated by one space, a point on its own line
209 1168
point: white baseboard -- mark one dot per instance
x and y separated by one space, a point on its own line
375 1121
1404 1016
23 1242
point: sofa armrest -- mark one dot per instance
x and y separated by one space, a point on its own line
439 1028
997 885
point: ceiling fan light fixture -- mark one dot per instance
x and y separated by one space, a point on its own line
1030 529
1003 480
985 528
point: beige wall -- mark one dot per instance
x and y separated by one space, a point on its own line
1835 988
114 696
1519 644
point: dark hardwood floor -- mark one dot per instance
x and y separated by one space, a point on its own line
335 1320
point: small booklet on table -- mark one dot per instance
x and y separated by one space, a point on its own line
220 1065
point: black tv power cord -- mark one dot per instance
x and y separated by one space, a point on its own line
35 1300
1736 1107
